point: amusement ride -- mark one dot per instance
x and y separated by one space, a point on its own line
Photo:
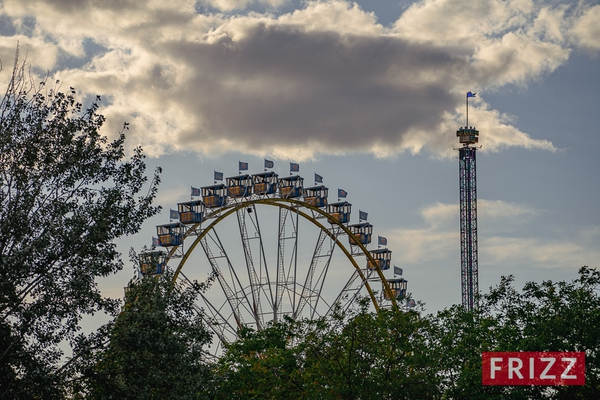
273 249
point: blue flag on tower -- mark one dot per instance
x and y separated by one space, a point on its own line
155 241
243 166
342 193
381 241
362 215
174 214
218 176
294 167
397 270
195 191
269 163
318 178
469 94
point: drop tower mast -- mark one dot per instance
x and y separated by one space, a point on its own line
468 137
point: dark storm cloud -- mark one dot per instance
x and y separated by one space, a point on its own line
325 78
341 91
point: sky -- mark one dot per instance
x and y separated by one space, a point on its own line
369 95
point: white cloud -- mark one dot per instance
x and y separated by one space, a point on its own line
501 243
586 29
462 23
501 210
324 79
230 5
511 251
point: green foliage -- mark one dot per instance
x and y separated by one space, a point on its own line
66 194
359 355
262 364
155 346
551 316
395 355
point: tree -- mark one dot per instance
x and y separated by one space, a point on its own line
66 194
352 355
155 348
264 364
374 355
551 316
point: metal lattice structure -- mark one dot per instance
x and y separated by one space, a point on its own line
274 249
467 176
468 226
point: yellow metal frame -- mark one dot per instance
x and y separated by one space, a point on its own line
226 211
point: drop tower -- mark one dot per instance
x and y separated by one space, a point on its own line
468 137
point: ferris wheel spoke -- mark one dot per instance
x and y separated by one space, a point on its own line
307 290
263 260
280 280
239 295
293 266
218 323
215 320
252 275
351 290
333 235
233 297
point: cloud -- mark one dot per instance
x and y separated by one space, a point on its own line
565 253
230 5
501 241
323 79
586 30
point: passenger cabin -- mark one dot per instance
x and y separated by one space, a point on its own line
467 135
340 211
239 186
382 258
170 234
316 196
265 183
291 186
191 212
153 262
214 196
363 233
397 287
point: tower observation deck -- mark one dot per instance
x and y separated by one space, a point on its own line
468 136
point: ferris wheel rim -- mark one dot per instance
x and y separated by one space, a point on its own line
226 211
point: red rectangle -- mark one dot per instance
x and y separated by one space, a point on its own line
548 368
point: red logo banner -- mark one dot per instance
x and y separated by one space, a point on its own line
533 368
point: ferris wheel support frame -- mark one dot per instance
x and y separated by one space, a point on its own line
290 205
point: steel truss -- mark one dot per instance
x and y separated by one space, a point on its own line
468 226
257 287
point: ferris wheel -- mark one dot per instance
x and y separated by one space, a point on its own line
273 248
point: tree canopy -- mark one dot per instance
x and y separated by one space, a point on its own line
396 354
66 193
155 346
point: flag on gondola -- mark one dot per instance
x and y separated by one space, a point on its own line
342 193
218 176
318 178
269 163
397 270
381 241
155 241
411 303
469 94
243 166
362 215
174 214
195 191
294 167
